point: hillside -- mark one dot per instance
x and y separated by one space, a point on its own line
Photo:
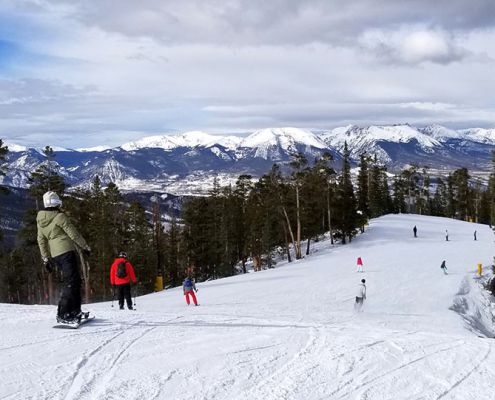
285 333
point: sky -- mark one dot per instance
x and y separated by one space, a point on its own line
83 73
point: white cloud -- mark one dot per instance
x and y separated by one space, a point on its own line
413 45
430 46
98 73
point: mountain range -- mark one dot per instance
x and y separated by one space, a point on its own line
188 162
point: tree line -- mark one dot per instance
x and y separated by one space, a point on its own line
253 222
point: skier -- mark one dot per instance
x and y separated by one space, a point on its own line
360 296
492 285
444 267
474 235
360 267
446 235
121 275
189 287
58 241
415 231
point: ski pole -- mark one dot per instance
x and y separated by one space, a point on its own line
113 295
135 293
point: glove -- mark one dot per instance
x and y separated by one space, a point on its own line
196 290
48 264
87 251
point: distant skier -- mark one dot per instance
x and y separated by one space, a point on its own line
360 296
446 235
189 287
58 240
492 285
415 231
360 266
444 267
474 235
121 275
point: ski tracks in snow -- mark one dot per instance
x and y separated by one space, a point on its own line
283 382
469 373
95 370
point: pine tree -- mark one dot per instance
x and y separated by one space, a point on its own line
440 198
491 191
298 165
461 182
241 222
4 150
363 189
399 199
138 243
313 200
173 253
347 202
3 171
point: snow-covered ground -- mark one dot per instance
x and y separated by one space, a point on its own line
286 333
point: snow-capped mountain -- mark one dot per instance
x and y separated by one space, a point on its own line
382 141
186 139
398 145
184 162
480 135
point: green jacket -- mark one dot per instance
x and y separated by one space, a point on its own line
56 234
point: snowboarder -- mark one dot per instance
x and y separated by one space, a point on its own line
474 235
360 267
121 275
189 287
58 241
360 296
415 231
446 235
444 267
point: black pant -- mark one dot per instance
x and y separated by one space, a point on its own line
124 291
69 304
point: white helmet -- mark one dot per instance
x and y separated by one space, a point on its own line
51 199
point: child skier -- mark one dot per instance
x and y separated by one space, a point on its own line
360 296
360 267
444 267
189 287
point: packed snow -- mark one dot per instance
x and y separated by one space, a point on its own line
286 333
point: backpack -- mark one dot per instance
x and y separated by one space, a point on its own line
188 282
121 270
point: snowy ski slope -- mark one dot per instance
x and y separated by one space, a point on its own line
286 333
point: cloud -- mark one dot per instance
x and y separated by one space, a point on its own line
261 22
414 46
89 72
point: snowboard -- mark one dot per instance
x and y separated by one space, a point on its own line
74 325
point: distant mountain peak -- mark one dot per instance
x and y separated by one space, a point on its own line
283 137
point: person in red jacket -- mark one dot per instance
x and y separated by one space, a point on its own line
121 275
360 266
